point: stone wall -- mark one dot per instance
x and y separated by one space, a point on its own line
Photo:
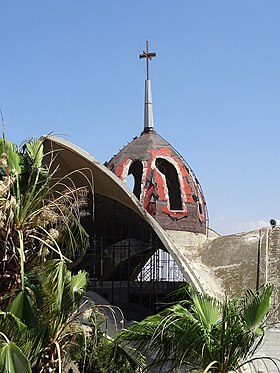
273 271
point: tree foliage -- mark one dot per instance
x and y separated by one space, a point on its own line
42 306
37 214
202 332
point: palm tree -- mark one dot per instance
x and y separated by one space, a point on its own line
42 328
40 234
42 323
201 332
41 300
39 214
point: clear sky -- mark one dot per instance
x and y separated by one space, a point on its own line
71 67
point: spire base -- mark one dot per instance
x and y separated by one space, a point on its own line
148 109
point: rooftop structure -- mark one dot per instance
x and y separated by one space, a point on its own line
163 182
146 241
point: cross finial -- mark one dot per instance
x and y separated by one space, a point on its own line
146 54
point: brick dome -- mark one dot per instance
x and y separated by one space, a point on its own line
163 182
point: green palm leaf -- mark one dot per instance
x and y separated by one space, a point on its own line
40 236
207 309
79 283
12 360
256 306
53 276
35 151
13 157
23 308
11 324
202 332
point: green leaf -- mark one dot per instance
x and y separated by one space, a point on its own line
22 257
74 240
54 279
207 309
79 283
12 360
60 284
201 331
256 306
35 151
22 307
9 321
13 157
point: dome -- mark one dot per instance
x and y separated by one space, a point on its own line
163 182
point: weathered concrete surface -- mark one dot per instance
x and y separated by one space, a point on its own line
186 239
226 264
188 251
238 260
268 351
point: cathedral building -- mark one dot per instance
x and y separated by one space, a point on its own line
146 241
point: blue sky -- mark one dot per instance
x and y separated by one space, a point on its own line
71 67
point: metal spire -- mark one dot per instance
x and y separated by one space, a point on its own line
148 109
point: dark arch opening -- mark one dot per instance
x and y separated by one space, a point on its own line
172 183
136 170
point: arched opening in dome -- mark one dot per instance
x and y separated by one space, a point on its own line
172 183
130 181
136 170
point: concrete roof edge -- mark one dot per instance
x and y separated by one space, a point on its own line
171 247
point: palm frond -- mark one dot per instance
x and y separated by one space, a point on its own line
12 156
200 331
255 306
11 324
23 308
12 359
207 309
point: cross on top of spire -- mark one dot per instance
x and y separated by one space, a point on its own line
146 54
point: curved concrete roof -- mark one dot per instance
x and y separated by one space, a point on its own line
71 157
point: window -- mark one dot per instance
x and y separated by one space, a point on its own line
172 182
136 170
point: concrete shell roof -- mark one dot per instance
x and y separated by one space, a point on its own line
70 157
